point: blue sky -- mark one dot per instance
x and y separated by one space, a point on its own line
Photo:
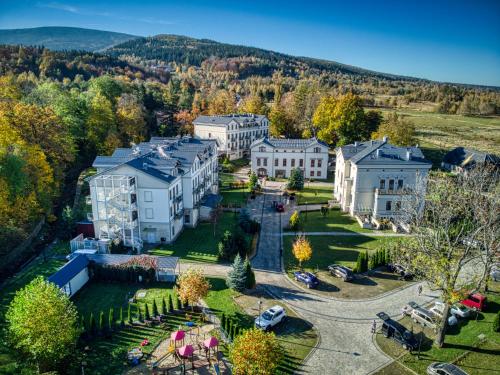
444 40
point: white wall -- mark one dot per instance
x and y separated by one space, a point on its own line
77 282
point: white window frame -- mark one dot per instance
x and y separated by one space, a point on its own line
148 196
150 213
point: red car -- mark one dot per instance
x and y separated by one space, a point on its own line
475 301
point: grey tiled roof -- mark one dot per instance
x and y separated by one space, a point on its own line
226 119
288 143
163 158
365 153
466 157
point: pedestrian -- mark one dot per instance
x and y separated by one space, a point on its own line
374 326
419 290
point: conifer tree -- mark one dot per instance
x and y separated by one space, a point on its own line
101 322
155 308
236 278
92 324
163 306
296 180
223 321
170 304
146 309
250 275
129 314
122 322
111 319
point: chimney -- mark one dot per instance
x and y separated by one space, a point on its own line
385 139
379 153
356 144
408 154
145 166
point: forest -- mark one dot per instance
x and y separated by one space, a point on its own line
59 109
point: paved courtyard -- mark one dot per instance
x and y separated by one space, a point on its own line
346 345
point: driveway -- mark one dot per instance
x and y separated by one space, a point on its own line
346 345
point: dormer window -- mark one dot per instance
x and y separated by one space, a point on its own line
317 150
262 149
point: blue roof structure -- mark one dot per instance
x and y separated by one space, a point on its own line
211 200
67 272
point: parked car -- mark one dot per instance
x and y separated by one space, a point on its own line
438 310
270 318
345 273
456 309
307 278
397 332
440 368
400 270
424 317
475 301
280 207
407 310
292 196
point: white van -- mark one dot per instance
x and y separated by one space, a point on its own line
424 317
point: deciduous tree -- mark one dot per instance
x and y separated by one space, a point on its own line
400 131
302 250
192 286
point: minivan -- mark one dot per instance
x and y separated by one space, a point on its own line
424 317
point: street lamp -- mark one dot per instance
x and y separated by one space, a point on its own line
260 307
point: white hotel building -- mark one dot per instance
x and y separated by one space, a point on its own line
149 192
276 157
234 133
373 178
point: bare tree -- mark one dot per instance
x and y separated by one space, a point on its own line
455 227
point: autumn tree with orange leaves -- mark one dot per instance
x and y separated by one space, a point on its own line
302 250
192 286
255 352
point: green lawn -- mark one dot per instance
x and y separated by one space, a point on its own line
333 249
335 221
233 197
296 335
199 244
107 355
36 268
477 358
314 194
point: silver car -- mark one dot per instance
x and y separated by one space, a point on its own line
440 368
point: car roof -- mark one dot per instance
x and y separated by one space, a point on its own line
478 296
275 309
424 312
451 368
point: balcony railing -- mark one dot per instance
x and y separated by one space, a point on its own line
178 198
179 214
401 191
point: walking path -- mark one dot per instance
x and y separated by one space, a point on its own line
369 234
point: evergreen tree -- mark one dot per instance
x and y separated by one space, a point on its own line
252 182
139 314
147 315
129 314
223 321
122 322
170 303
250 275
155 309
101 322
179 303
163 306
365 261
229 327
111 319
92 324
296 180
236 278
83 326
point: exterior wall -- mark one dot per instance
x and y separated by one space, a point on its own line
270 155
76 283
212 132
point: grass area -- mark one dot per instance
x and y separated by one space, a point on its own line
335 221
39 267
199 244
295 335
333 249
437 132
232 196
314 194
107 355
462 343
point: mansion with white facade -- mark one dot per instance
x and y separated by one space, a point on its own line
372 178
149 192
276 157
235 133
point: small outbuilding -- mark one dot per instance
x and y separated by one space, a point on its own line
71 277
462 159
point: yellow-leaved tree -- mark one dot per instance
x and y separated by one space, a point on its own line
255 352
302 250
192 286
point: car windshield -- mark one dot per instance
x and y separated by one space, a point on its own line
407 335
461 307
267 316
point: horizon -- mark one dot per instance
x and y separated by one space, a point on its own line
379 38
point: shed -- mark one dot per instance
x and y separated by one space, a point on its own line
71 277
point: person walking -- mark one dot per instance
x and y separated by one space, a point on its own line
419 290
374 326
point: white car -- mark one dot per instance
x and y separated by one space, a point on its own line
456 309
271 317
495 272
407 310
438 310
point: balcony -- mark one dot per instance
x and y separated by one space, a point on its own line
83 244
179 214
178 198
401 191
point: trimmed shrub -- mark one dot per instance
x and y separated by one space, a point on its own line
155 309
129 314
163 306
111 319
147 315
294 222
496 323
170 303
92 324
249 274
102 327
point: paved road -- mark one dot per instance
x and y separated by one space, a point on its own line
346 345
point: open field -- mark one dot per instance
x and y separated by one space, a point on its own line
199 244
440 132
462 344
295 335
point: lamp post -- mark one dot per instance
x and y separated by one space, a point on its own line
306 210
260 307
